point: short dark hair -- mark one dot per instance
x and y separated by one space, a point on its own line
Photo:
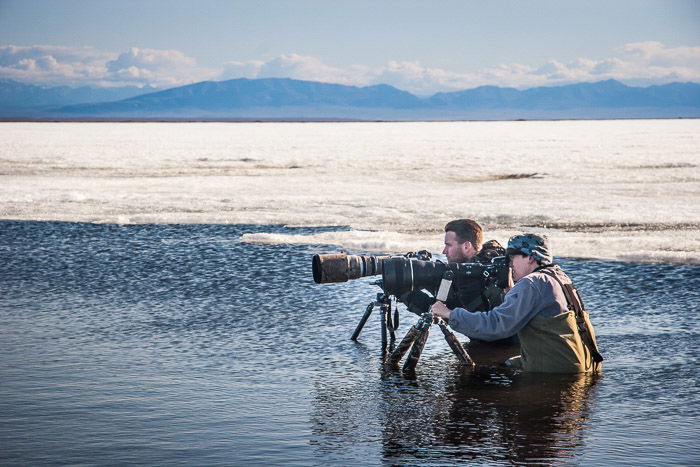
466 230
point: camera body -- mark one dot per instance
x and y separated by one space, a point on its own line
401 274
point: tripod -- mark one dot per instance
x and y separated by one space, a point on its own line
387 323
415 338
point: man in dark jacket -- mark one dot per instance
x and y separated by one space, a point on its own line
463 244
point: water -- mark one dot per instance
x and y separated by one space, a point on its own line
182 344
158 305
622 190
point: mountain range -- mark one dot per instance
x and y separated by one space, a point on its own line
16 97
283 98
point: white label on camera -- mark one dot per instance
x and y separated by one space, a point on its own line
444 290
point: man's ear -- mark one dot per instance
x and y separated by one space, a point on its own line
468 246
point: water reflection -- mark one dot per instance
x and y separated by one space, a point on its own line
487 414
526 418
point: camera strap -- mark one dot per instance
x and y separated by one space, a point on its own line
575 304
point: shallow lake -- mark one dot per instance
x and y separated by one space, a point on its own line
181 344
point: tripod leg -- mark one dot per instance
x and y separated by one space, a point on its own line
455 345
403 347
362 322
389 324
383 329
416 351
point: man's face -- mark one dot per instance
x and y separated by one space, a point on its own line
457 252
521 266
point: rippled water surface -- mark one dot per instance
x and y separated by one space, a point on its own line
180 344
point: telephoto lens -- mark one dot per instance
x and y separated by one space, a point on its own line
401 274
341 267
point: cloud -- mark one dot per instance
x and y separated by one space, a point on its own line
52 64
639 63
297 67
652 62
642 63
160 68
655 54
80 66
410 76
300 67
413 77
236 69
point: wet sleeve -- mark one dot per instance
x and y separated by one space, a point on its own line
517 309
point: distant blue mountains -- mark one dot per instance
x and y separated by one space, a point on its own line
288 99
16 97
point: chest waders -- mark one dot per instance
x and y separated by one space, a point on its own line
583 326
564 343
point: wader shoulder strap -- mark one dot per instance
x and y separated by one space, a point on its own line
574 302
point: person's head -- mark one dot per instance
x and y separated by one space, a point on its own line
463 239
527 252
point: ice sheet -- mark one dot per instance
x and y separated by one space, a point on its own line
625 190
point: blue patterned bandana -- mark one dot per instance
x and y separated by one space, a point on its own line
531 244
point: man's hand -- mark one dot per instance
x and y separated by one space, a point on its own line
510 280
440 310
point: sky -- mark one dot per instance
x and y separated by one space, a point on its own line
419 46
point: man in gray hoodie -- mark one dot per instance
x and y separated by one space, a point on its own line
543 308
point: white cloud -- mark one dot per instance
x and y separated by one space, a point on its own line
640 63
410 76
160 68
413 77
297 67
80 66
236 69
52 64
651 62
655 54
